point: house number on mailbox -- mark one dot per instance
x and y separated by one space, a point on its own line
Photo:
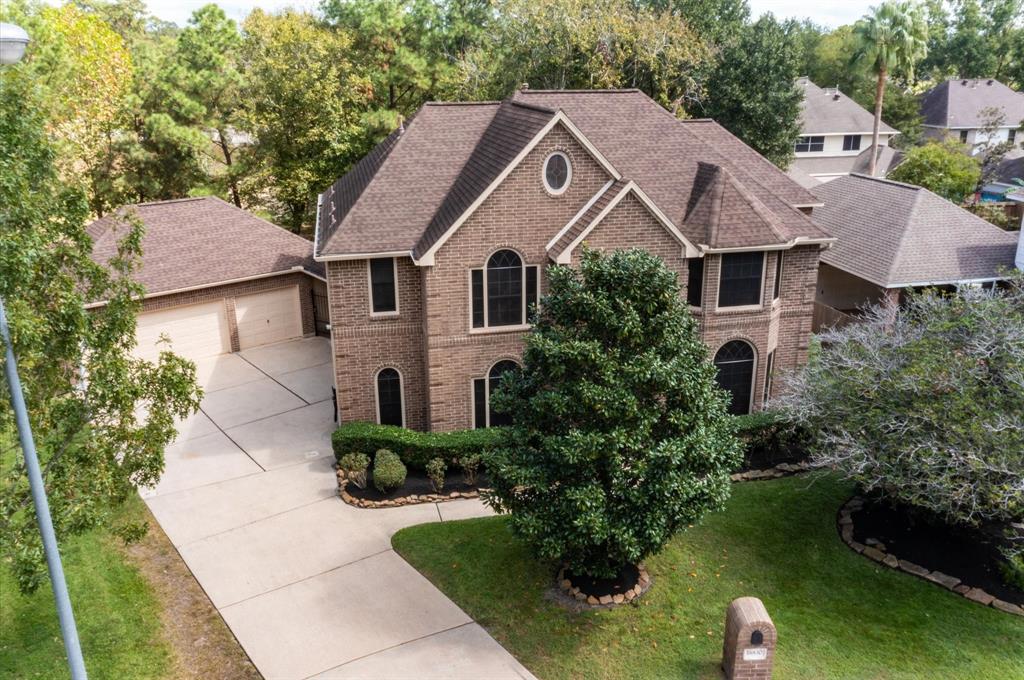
755 654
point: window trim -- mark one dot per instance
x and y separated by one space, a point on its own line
487 328
753 372
544 173
376 391
486 377
760 296
369 284
854 142
810 143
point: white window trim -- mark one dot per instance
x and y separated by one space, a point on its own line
486 377
369 283
487 328
753 373
544 173
376 391
719 309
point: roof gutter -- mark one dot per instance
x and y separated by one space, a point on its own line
362 256
961 282
798 241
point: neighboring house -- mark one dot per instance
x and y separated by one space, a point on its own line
437 243
835 137
1008 182
962 107
893 236
218 279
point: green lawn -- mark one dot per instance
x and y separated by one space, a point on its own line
838 614
117 615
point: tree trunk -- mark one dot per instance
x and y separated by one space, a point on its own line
879 93
232 181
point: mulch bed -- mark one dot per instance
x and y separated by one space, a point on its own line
949 550
417 489
581 590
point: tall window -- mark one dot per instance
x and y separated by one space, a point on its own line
805 144
695 281
735 364
483 388
769 371
1011 136
504 292
963 136
740 282
851 142
389 398
383 289
777 288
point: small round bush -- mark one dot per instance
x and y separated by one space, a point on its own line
470 467
435 470
354 465
388 471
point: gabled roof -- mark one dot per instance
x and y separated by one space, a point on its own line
725 214
830 111
959 103
896 235
197 242
417 185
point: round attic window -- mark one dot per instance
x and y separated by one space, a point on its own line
557 173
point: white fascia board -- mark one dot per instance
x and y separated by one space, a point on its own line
585 208
427 259
362 256
798 241
958 282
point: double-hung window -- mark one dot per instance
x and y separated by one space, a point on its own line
504 292
741 279
805 144
851 142
383 286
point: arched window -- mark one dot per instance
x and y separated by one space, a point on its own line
735 363
483 388
390 410
503 291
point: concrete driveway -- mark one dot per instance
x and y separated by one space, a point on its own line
308 584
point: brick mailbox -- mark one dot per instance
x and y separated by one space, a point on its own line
749 648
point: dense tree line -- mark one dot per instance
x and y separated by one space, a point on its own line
267 113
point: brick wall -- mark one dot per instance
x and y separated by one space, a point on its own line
231 291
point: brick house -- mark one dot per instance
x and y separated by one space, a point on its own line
437 242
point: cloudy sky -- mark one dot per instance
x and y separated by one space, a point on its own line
826 12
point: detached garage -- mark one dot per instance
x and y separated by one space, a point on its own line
218 279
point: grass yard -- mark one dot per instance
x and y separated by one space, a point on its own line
839 615
117 613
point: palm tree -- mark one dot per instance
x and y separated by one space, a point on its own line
890 39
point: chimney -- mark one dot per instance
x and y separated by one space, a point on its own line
524 86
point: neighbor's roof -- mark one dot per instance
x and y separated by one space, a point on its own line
897 235
959 103
196 242
830 111
415 184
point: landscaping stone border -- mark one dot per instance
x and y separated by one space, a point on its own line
403 500
876 550
780 470
605 601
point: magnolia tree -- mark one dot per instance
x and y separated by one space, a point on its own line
620 434
925 404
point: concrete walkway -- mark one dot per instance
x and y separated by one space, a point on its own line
308 584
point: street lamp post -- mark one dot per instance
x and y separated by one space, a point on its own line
13 41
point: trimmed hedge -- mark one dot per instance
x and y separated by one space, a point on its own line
415 449
769 439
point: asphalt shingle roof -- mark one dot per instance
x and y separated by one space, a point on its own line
195 242
895 234
959 103
831 111
418 183
724 214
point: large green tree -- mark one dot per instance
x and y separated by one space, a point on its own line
303 105
752 92
890 40
945 168
83 388
620 434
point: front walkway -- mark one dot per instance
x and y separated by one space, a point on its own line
309 585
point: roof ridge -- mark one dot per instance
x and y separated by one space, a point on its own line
898 257
486 102
532 107
886 180
166 201
608 90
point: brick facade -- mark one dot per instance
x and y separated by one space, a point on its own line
229 292
432 343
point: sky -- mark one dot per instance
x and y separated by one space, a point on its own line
829 13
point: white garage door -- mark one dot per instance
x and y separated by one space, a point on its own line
195 331
268 317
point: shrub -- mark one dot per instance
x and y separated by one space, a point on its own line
415 449
354 466
388 471
620 434
435 471
923 404
770 438
470 466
